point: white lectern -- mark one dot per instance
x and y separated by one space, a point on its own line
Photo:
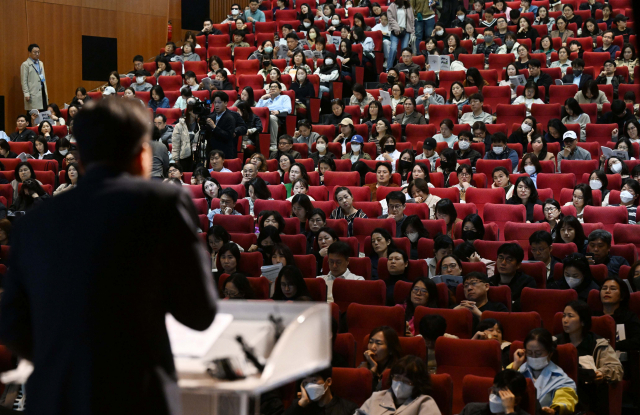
304 347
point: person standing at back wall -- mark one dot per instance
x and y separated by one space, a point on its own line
33 80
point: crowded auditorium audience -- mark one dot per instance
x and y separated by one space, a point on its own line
475 166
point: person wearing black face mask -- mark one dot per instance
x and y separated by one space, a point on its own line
392 77
448 164
405 165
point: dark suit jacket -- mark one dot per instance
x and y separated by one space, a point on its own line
546 81
568 79
96 323
223 136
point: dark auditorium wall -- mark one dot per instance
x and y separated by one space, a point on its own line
219 11
57 26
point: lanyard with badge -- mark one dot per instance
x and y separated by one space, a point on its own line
39 72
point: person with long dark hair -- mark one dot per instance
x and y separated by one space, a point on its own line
582 196
576 276
237 287
576 325
556 391
570 231
525 194
383 351
254 127
615 297
423 293
413 228
290 285
29 195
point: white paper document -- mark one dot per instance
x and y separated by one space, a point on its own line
619 154
386 97
186 342
271 271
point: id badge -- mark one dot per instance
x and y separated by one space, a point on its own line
41 77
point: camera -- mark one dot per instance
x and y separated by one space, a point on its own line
202 108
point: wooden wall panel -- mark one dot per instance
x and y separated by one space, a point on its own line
13 49
100 4
58 26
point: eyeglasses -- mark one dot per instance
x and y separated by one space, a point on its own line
502 258
403 379
395 207
419 291
230 294
449 267
470 284
550 209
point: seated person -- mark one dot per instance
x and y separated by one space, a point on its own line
141 84
508 391
488 46
228 200
571 150
541 244
464 148
432 327
338 253
599 246
615 296
607 45
278 105
556 390
290 284
500 151
442 247
578 77
476 113
216 162
397 264
316 397
22 134
510 256
285 146
383 351
396 202
407 64
604 365
525 194
429 152
423 293
577 276
409 392
237 287
476 290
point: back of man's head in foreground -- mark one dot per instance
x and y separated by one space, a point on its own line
115 133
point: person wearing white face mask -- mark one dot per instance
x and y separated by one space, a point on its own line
465 151
506 394
316 397
531 166
598 181
302 87
408 392
429 97
576 276
141 84
235 14
556 391
614 165
629 198
599 364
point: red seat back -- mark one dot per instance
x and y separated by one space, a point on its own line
546 302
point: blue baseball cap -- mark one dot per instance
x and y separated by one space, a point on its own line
357 139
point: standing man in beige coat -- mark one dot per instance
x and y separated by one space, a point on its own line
33 81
